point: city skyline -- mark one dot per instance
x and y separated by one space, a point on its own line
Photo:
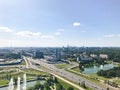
54 23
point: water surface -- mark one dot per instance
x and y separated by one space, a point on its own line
95 69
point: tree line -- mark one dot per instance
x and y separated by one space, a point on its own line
115 72
49 83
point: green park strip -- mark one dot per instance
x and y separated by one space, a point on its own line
69 82
32 74
23 62
4 82
85 88
117 81
62 65
95 78
65 85
76 69
83 75
33 71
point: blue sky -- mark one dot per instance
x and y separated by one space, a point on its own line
59 22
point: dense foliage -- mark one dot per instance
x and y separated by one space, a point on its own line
111 52
84 64
116 60
11 55
49 85
115 72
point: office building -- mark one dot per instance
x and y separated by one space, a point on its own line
38 54
58 55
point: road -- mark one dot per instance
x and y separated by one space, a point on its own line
68 82
30 65
26 61
50 68
70 76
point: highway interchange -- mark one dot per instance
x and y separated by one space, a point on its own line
50 68
60 73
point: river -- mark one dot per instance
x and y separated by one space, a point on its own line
95 69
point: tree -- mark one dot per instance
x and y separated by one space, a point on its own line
81 66
55 80
70 88
38 77
38 85
59 86
46 85
107 88
15 80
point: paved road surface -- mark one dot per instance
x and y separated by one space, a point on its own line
78 87
68 75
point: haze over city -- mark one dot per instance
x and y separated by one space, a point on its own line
41 23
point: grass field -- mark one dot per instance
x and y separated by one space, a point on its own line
3 82
32 71
83 75
117 81
62 65
65 85
13 73
76 69
23 62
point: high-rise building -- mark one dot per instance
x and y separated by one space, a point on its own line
38 54
58 55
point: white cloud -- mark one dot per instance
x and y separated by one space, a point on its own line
60 30
5 29
109 35
58 33
47 37
34 35
28 33
76 24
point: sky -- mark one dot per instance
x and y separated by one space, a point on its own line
55 23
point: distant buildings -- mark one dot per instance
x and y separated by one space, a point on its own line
93 56
84 59
38 54
2 61
104 56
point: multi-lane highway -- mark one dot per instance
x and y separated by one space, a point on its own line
30 65
50 68
70 76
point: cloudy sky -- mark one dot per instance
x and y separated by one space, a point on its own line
59 22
